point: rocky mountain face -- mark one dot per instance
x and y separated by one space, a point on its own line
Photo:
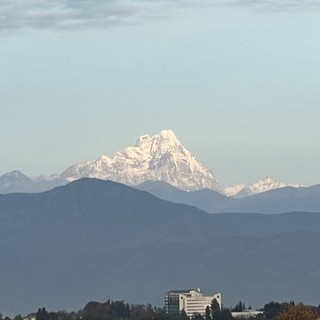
158 158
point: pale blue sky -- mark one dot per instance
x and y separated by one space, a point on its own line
238 82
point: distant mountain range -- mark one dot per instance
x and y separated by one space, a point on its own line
161 157
16 181
266 184
98 240
89 239
279 200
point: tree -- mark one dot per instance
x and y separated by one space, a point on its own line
197 316
239 307
42 314
299 312
183 315
273 309
215 309
219 313
18 317
207 315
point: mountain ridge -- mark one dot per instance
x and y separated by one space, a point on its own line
161 157
266 184
272 201
104 240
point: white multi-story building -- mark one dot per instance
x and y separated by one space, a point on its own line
191 301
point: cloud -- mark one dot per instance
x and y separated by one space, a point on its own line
69 14
275 5
80 14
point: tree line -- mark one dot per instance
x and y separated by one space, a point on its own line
120 310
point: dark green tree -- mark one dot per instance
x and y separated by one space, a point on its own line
42 314
160 314
183 315
207 315
118 308
18 317
240 306
273 309
215 309
197 316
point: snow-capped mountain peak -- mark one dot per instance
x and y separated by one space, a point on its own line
165 141
266 184
161 157
14 181
263 185
234 190
14 177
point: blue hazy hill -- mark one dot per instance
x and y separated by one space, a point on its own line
274 201
100 240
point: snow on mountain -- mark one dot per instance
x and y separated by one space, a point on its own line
15 181
46 178
158 158
234 190
266 184
161 157
14 177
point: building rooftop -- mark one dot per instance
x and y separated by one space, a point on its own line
184 291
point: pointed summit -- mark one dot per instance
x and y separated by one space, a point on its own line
14 177
165 141
168 136
15 181
161 157
15 174
265 184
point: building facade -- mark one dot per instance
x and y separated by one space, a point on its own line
191 301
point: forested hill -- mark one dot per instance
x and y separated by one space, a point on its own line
99 239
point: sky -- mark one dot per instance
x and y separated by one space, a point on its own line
236 80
